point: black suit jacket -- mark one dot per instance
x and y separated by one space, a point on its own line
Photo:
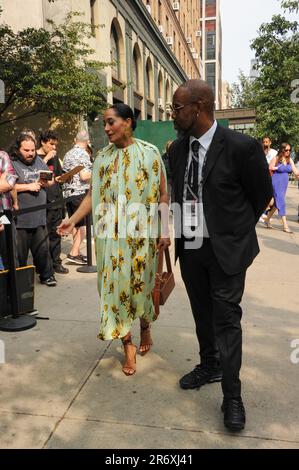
236 189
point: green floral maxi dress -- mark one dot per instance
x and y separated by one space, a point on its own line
125 197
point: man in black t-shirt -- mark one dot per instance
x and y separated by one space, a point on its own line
47 151
32 227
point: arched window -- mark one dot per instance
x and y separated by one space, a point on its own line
168 99
115 54
149 79
137 68
92 15
160 88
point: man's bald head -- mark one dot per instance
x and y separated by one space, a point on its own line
201 92
193 108
82 137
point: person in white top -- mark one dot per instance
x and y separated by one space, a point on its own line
269 152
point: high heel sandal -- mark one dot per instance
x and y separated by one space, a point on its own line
267 224
129 367
145 339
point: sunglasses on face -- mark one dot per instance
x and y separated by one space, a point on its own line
176 107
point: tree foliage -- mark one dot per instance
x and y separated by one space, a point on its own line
290 5
50 70
277 53
243 95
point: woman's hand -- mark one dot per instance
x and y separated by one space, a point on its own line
65 228
164 242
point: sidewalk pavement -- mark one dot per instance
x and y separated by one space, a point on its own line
63 388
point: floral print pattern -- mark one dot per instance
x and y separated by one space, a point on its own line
126 263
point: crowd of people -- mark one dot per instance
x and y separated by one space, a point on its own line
31 173
221 185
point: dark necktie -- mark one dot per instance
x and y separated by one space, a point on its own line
192 190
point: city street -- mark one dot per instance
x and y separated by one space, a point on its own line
63 388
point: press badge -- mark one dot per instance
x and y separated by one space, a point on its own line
191 214
4 220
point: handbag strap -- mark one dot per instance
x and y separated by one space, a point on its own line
160 261
168 262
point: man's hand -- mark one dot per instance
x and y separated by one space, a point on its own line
65 228
4 185
49 156
1 227
34 187
46 183
66 180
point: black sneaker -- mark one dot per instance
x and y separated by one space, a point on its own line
84 258
200 376
50 282
234 414
58 268
79 259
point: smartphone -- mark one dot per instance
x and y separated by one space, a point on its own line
46 175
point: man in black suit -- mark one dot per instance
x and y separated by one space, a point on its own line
221 186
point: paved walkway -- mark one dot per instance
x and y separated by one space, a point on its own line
62 388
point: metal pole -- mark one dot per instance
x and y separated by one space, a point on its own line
89 268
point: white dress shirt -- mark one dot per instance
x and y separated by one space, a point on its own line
205 143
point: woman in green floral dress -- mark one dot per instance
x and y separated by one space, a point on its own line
128 184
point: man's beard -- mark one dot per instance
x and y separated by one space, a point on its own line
183 132
26 162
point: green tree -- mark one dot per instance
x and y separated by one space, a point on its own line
277 53
243 92
290 5
50 70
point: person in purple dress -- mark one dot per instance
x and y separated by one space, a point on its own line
281 166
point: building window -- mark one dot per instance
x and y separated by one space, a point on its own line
149 79
160 88
211 76
174 43
168 100
211 46
159 11
136 68
115 53
211 40
211 8
92 15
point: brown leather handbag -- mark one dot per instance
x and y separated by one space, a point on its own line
164 283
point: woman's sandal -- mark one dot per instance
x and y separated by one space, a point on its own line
287 230
267 224
145 339
129 367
